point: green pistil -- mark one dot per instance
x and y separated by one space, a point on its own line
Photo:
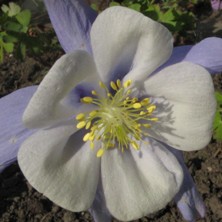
118 121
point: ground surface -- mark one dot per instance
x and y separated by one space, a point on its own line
19 202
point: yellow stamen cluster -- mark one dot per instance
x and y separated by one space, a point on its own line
118 120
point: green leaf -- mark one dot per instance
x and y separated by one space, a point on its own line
24 29
218 97
24 17
22 50
114 4
1 51
95 7
2 34
217 120
168 16
12 10
153 12
135 7
5 8
10 39
218 132
8 47
217 125
12 26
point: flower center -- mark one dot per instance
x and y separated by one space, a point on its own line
118 119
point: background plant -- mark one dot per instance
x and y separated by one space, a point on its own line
18 35
170 13
218 117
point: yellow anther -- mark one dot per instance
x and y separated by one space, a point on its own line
127 83
145 102
92 136
86 137
81 124
138 137
99 137
88 124
87 99
125 102
119 118
93 128
94 93
110 145
102 85
137 126
134 100
80 116
136 105
128 91
109 95
100 152
146 125
113 85
93 113
151 108
135 145
118 83
154 119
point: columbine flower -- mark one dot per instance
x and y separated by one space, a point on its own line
73 31
104 120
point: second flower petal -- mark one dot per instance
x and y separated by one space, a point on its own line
49 104
139 183
61 166
187 109
125 41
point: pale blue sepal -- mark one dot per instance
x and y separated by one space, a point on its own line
72 21
207 53
98 210
12 130
188 199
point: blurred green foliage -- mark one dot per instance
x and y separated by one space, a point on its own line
175 15
14 25
18 35
217 126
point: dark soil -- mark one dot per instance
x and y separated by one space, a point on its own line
19 202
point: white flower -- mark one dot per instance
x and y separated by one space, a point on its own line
132 109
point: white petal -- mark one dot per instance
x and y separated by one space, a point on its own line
139 183
124 40
187 113
60 166
48 105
